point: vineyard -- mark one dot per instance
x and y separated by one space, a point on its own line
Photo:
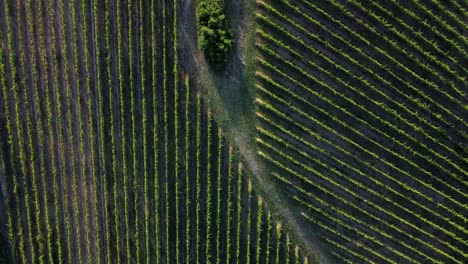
109 154
361 109
113 147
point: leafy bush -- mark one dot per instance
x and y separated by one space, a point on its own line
215 36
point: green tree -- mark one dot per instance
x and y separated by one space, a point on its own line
215 37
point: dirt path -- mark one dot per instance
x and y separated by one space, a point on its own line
232 105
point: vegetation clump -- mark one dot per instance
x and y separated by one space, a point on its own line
215 37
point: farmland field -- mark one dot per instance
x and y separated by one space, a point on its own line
331 131
125 163
362 116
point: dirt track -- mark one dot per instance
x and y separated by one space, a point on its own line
233 78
